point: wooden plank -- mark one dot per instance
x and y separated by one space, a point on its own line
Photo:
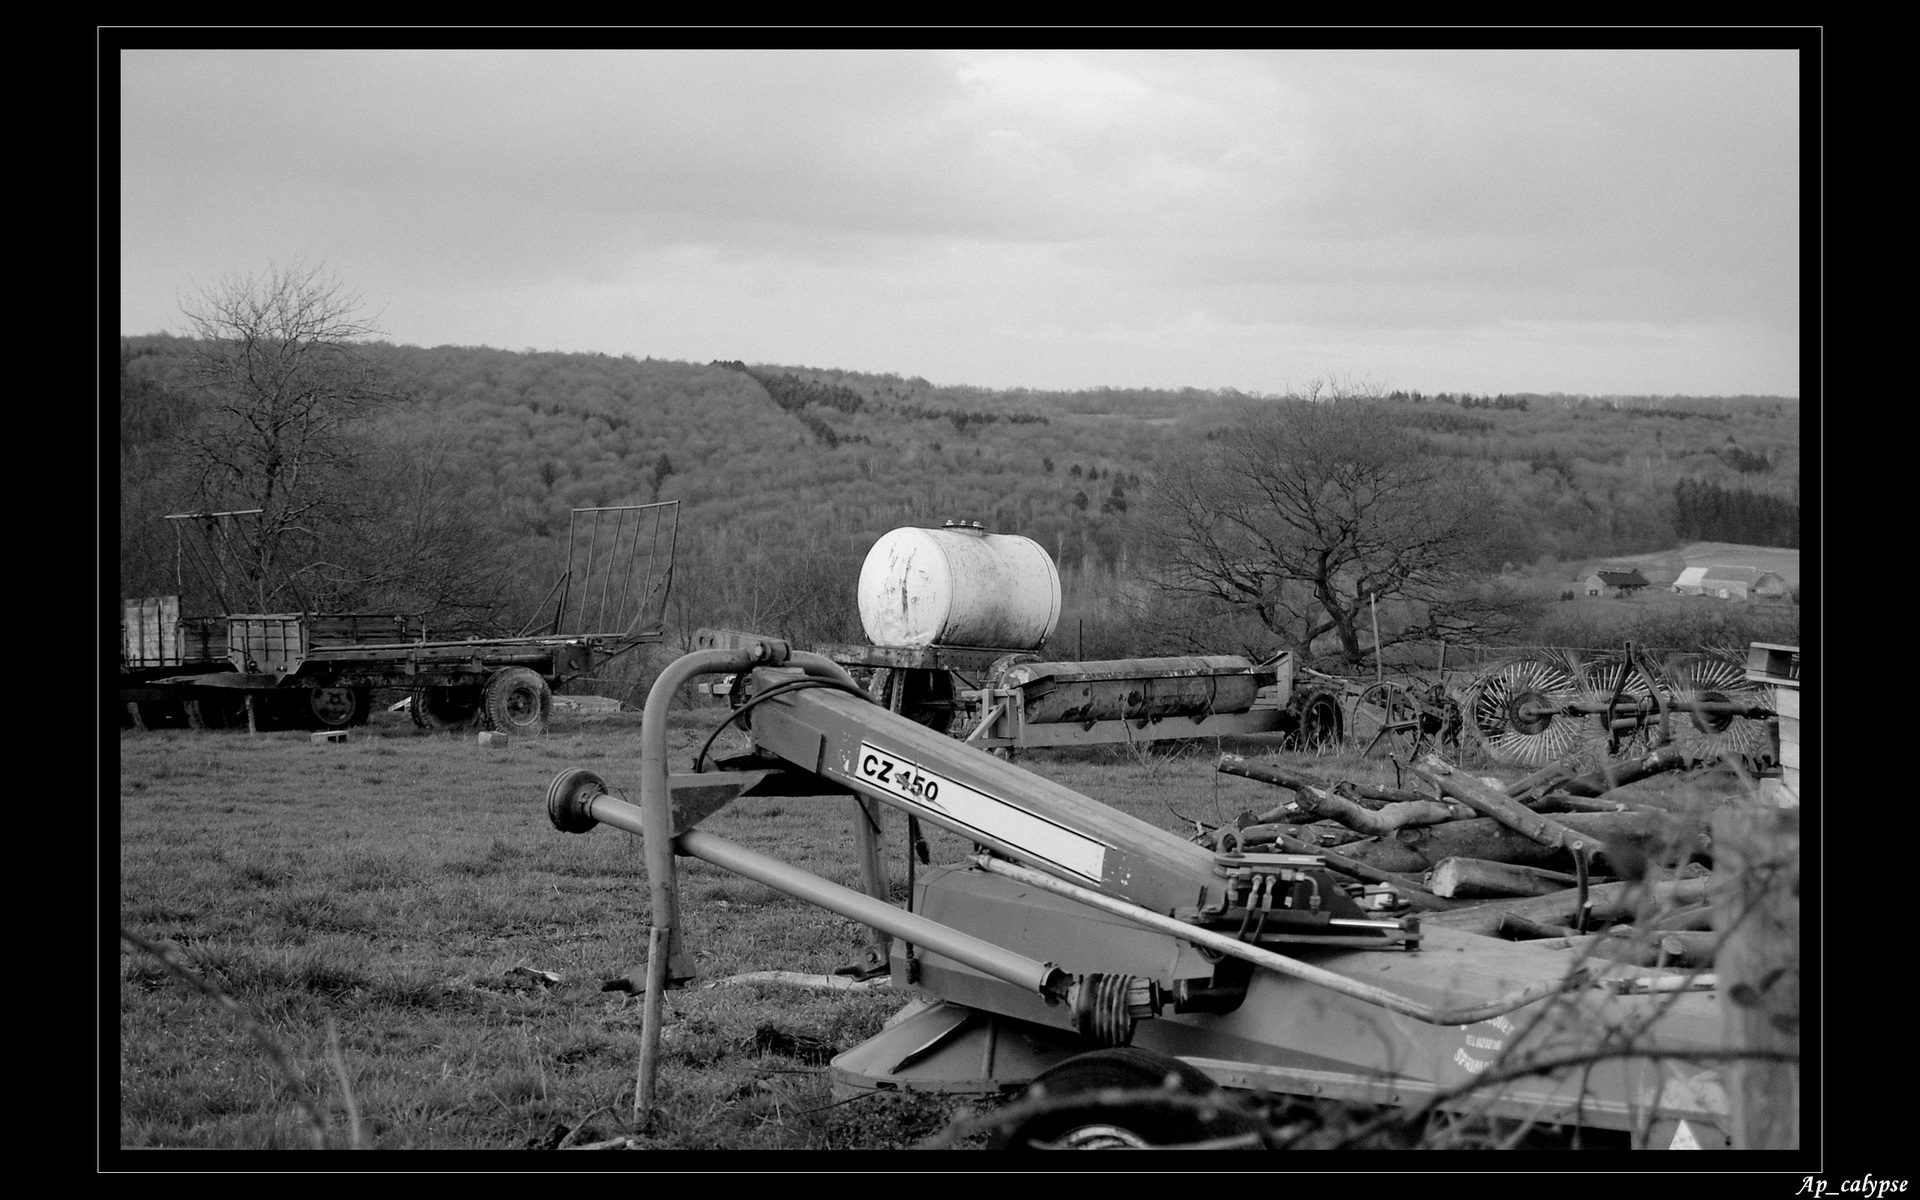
1790 754
1756 898
1786 701
1770 663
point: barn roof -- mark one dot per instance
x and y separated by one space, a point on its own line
1621 578
1690 576
1747 575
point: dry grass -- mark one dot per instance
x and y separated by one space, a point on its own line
387 910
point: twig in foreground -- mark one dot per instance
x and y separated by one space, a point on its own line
170 959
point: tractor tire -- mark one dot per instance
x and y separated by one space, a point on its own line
517 702
1086 1116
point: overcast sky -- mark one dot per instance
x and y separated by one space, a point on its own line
1577 221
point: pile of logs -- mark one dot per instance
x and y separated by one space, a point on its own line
1555 857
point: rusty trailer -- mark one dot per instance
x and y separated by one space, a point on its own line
320 670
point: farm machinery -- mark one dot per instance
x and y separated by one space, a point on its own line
1101 957
318 670
1556 705
956 618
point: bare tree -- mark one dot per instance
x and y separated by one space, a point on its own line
1308 508
283 379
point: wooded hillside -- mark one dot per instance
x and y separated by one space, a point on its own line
787 474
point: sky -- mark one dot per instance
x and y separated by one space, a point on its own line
1582 221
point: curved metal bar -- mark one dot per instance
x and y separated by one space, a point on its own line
657 829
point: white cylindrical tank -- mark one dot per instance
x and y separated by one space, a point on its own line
959 586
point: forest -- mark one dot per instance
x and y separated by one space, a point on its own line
454 478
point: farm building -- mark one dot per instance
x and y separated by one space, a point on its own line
1602 581
1732 583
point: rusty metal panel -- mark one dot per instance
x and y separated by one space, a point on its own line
915 658
152 632
1137 689
273 644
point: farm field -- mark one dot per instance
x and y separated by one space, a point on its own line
399 890
1784 562
428 952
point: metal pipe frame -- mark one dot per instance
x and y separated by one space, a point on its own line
1221 943
664 941
1017 969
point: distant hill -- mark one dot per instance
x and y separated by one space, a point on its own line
788 471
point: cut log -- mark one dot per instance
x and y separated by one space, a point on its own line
1319 835
1476 878
1378 821
1560 802
1633 951
1502 808
1542 780
1390 854
1516 928
1315 796
1693 951
1372 795
1656 835
1607 903
1614 775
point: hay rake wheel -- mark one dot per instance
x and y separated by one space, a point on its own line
1386 722
1524 712
1613 689
1714 678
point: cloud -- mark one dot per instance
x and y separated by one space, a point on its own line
1218 197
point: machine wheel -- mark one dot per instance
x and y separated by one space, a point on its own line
1523 713
1710 678
336 707
517 702
217 711
160 714
1092 1118
1386 722
440 708
1599 679
1317 721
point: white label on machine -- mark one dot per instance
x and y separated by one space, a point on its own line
980 812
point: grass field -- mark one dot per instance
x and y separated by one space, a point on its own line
401 891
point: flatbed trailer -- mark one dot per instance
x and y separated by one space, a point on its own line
319 671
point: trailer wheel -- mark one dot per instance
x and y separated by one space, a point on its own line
160 714
517 702
337 707
1106 1102
216 712
1317 721
440 708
